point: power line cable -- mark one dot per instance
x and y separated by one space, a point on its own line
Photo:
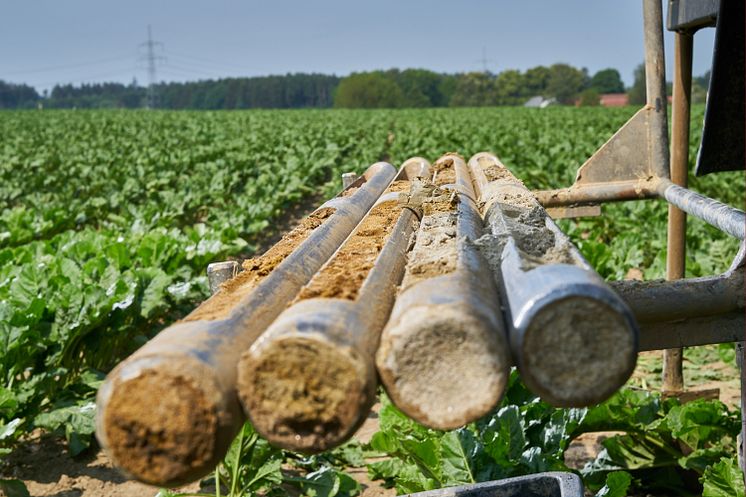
67 66
200 59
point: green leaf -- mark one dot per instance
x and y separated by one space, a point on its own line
617 484
154 294
13 488
78 422
327 482
9 429
457 448
702 422
723 479
503 436
8 403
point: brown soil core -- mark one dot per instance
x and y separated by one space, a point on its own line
444 172
305 394
220 305
172 439
343 276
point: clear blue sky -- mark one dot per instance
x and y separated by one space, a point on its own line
43 42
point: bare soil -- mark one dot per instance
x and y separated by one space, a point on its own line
256 269
343 276
443 172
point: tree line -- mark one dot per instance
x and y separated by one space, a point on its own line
392 88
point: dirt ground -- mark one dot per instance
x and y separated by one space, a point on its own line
47 469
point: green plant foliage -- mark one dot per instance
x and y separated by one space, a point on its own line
723 479
109 218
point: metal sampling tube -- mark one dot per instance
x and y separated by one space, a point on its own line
168 413
309 381
444 357
573 339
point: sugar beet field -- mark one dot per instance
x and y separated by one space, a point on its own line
109 219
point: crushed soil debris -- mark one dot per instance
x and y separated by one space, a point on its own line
343 276
220 305
497 173
435 251
516 214
349 191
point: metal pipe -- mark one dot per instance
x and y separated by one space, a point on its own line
167 414
444 358
688 312
673 371
308 383
594 193
563 320
220 272
725 218
658 301
655 85
692 332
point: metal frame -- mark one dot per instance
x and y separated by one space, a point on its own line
635 164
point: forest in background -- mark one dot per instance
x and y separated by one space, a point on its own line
393 88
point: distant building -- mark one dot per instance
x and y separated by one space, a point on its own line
539 102
614 99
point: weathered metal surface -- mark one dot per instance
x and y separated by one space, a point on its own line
567 212
723 143
655 86
688 16
625 156
563 320
348 179
444 358
692 332
725 218
595 193
308 383
551 484
220 272
167 414
673 371
688 312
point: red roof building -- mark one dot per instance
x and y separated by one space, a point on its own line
614 99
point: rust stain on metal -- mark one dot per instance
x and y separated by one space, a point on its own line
257 268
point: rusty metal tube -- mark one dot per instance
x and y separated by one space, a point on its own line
167 414
673 359
612 191
655 86
444 358
308 383
573 339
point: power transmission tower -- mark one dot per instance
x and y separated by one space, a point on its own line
152 60
484 60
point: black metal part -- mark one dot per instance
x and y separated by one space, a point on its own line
723 140
552 484
691 15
